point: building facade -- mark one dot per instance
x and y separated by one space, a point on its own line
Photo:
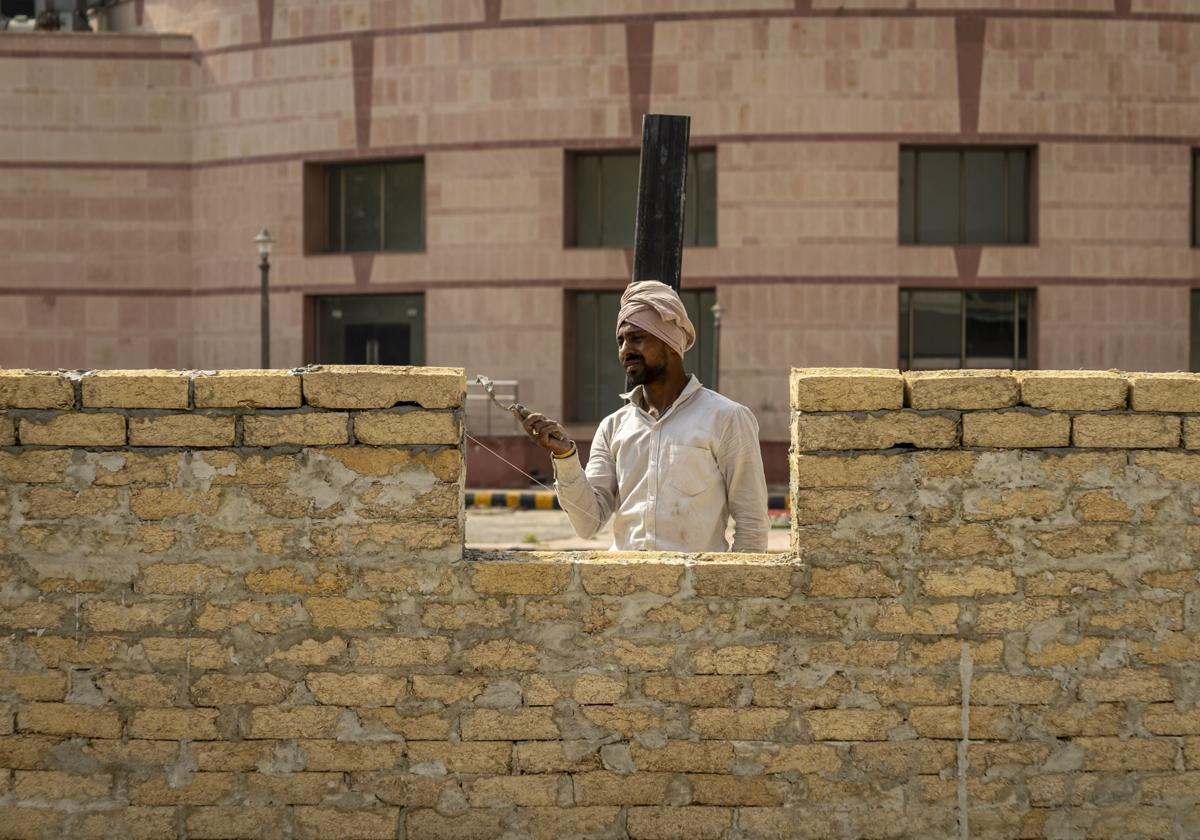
913 183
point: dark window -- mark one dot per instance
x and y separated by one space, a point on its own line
951 328
599 379
1195 331
975 196
370 330
376 206
604 199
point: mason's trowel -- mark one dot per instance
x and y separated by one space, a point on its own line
516 408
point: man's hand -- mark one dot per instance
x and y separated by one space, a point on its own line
539 426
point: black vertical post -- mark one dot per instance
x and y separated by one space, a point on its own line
658 237
264 267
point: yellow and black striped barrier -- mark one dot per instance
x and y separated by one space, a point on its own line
548 500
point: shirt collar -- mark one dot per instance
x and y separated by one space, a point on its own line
638 395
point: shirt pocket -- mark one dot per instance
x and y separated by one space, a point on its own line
691 469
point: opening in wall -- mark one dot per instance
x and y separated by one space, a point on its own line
365 206
964 328
368 329
965 195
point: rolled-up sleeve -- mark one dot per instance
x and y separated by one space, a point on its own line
740 461
588 496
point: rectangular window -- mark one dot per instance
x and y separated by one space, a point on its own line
599 378
369 330
604 199
953 328
378 206
964 196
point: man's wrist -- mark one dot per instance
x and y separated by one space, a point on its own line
566 454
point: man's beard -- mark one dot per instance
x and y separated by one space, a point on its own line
644 375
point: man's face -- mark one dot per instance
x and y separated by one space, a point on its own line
643 355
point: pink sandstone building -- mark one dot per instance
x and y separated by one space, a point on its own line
878 183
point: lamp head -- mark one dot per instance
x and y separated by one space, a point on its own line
264 241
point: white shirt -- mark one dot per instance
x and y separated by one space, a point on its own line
673 481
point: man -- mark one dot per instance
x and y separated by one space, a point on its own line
675 462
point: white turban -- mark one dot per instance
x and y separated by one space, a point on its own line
656 308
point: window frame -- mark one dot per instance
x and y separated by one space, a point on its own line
318 179
905 360
570 192
1195 203
1031 197
311 317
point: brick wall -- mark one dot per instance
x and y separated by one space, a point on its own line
237 605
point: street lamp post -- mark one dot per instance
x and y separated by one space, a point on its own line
717 309
264 241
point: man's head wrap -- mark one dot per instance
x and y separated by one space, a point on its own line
657 309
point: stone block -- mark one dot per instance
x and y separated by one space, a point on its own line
851 724
345 613
800 758
961 389
407 428
175 724
305 429
380 386
737 724
399 652
215 822
968 582
577 821
261 689
852 580
1127 754
1016 429
1167 719
1073 390
1126 431
34 466
157 503
357 689
736 659
843 470
35 389
492 757
522 791
846 389
935 619
8 430
903 759
196 430
115 616
533 724
313 822
135 389
1191 432
1121 685
64 503
873 431
247 389
293 722
502 655
666 823
1169 392
742 579
606 788
39 784
706 690
68 719
994 689
180 579
75 429
521 578
425 823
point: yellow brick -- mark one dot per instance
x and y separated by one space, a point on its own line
535 578
412 726
487 612
966 389
260 616
742 580
1011 616
251 689
708 690
379 386
992 689
107 616
286 579
324 755
846 389
534 724
577 821
362 823
1191 432
1142 613
139 689
34 685
904 759
799 758
475 757
693 822
135 389
74 429
55 651
68 719
195 653
1167 648
1073 390
182 430
307 429
873 431
867 654
1143 684
1099 506
624 577
944 651
35 784
1016 429
954 542
175 724
918 690
247 389
1174 392
8 430
736 659
828 506
1066 543
686 757
1126 431
34 466
1127 754
968 582
310 652
1172 466
843 470
195 789
1057 654
351 613
407 428
605 788
725 789
293 721
156 503
60 503
355 689
1167 719
35 389
851 724
806 694
425 823
393 652
122 469
522 791
180 579
32 615
935 619
209 822
554 757
737 724
852 580
502 655
985 722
